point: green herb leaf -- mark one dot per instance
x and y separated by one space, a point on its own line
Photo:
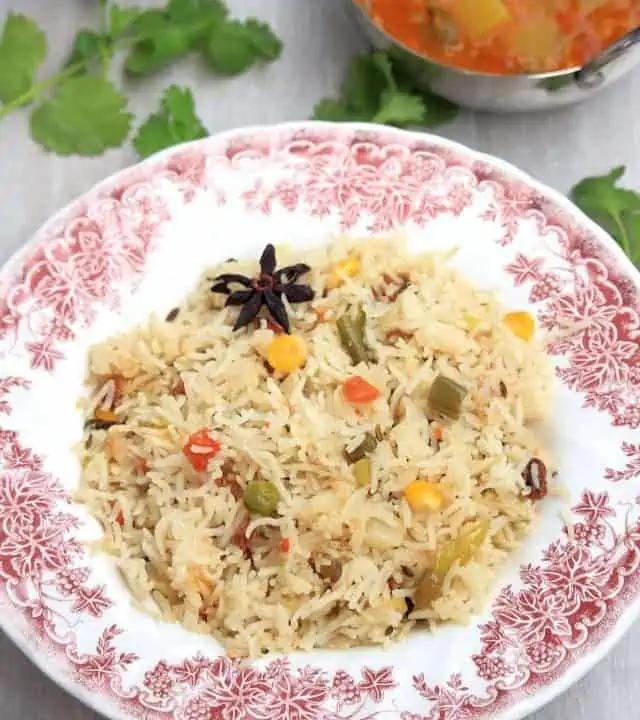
233 46
368 76
266 43
161 43
87 46
382 62
437 110
400 109
23 48
197 11
170 34
615 208
373 91
122 19
86 116
176 122
332 110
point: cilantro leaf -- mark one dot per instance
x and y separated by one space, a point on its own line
368 76
398 108
122 19
161 42
615 208
23 48
332 110
170 34
87 46
374 91
233 46
197 11
174 123
382 63
86 116
266 43
437 110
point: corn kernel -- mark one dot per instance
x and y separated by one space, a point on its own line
349 268
399 604
287 353
200 579
521 324
471 322
105 415
423 495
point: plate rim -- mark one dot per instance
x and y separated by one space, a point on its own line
523 706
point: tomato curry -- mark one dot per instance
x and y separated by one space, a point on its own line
506 36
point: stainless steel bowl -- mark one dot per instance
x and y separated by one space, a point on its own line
509 93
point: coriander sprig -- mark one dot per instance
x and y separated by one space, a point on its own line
375 90
79 110
615 208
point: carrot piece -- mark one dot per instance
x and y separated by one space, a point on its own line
358 391
285 545
105 415
200 448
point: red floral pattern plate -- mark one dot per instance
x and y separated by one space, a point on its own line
138 241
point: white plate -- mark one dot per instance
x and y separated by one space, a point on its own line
136 244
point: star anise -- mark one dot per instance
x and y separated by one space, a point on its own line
267 288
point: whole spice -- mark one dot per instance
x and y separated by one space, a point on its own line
396 294
172 315
178 388
352 332
102 420
239 537
365 447
397 334
328 569
267 288
229 478
392 287
446 397
535 478
109 393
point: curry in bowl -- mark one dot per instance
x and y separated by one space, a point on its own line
506 37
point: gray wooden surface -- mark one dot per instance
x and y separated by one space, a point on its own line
557 148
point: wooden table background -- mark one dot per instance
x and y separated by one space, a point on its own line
319 37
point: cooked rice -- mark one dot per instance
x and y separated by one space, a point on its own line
172 531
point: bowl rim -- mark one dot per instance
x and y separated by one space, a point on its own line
536 77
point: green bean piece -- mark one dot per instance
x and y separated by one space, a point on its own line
351 329
446 397
428 590
366 447
463 547
461 550
261 497
363 471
